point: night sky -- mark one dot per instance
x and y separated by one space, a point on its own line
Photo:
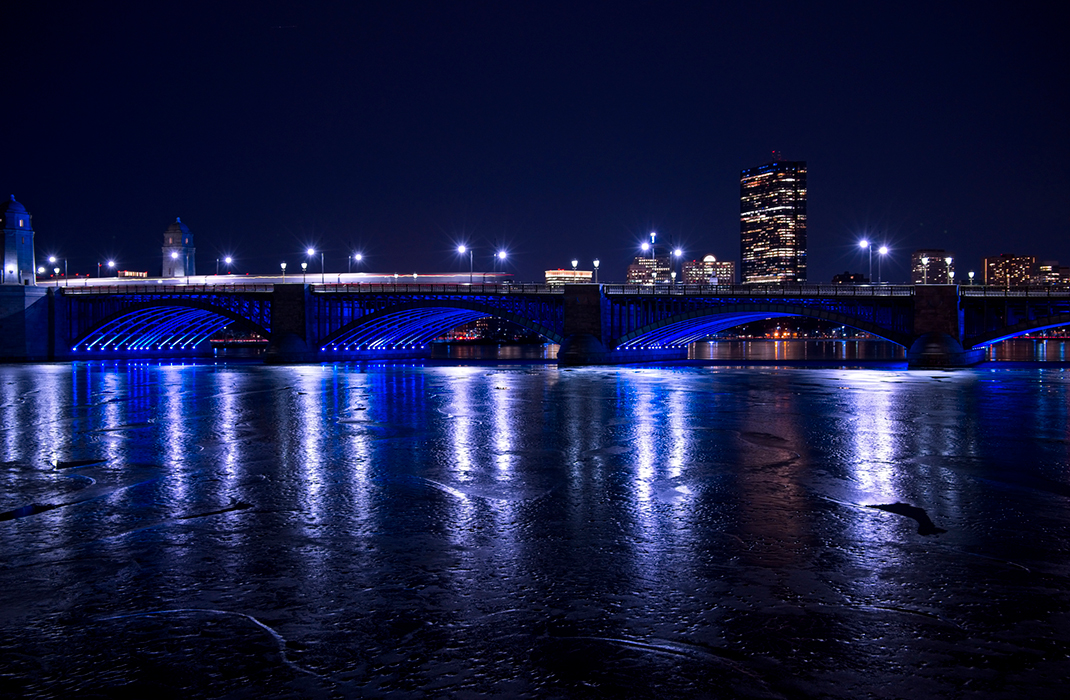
556 131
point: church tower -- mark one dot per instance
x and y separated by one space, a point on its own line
178 250
18 244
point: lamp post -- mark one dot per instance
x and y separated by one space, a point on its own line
883 250
676 254
673 275
283 266
653 235
311 252
575 264
111 265
951 277
596 263
52 259
948 261
869 249
970 274
925 270
462 249
304 271
355 256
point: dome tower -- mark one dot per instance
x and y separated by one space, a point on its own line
18 244
178 251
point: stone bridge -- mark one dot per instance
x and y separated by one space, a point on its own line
940 325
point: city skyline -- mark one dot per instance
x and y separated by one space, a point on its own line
557 133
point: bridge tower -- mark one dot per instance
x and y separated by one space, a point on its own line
178 251
18 244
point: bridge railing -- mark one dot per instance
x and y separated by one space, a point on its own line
166 289
815 290
435 289
1032 292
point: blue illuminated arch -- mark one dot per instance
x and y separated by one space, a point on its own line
416 324
692 326
166 326
1008 332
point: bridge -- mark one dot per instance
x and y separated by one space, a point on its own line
939 325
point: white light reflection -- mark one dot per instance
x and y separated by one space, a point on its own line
308 413
503 416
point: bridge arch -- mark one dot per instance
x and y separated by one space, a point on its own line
1008 332
414 324
685 328
162 325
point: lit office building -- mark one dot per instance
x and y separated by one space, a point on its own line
932 266
709 271
772 222
1050 273
649 270
1009 270
563 277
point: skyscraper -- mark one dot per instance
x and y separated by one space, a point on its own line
772 222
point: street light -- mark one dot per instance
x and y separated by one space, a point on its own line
52 259
304 270
575 263
947 261
677 254
311 252
283 266
970 273
355 256
111 265
925 270
462 249
865 244
596 263
673 275
883 250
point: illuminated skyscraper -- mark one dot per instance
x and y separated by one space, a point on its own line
772 222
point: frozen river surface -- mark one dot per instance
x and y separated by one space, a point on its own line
525 531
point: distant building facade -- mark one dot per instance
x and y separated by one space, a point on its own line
1009 270
178 251
772 223
647 269
1050 273
850 278
562 277
709 270
19 264
932 266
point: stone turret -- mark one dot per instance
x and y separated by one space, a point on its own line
178 251
18 244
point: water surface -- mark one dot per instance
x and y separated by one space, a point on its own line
526 531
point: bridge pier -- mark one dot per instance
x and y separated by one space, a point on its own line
585 331
938 329
288 343
25 320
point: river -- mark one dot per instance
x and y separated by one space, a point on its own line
518 530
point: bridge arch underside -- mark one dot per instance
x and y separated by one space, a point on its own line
168 327
415 326
1008 332
683 329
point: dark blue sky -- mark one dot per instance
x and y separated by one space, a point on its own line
557 131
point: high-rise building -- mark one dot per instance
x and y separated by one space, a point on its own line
1008 270
772 222
709 270
18 244
178 251
932 266
646 269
